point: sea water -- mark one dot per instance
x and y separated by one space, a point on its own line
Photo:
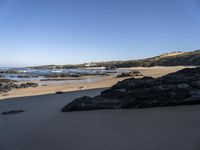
38 74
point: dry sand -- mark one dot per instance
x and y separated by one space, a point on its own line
157 71
106 82
43 127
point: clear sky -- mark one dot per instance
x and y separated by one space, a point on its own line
40 32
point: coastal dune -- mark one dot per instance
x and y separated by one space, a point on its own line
43 127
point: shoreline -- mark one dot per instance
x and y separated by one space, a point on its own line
104 82
51 89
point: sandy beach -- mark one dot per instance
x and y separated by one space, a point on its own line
105 82
157 71
99 75
43 127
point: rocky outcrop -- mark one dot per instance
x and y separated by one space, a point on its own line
61 76
9 71
6 80
88 103
110 68
180 88
27 85
130 74
7 85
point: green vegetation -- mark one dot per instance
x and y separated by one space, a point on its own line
182 59
168 59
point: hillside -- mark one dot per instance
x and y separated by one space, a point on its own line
167 59
170 54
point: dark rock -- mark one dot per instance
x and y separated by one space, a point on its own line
180 88
27 76
6 85
74 75
28 84
69 67
88 103
12 112
9 71
196 84
56 75
5 80
110 68
59 92
130 74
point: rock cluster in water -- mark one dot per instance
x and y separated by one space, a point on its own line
180 88
9 72
62 75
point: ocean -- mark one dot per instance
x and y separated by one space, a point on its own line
39 74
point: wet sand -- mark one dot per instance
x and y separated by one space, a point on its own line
43 127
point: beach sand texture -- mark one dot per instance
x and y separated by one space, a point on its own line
43 127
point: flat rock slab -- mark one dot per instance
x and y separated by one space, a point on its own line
12 112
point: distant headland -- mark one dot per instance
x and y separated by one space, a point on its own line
167 59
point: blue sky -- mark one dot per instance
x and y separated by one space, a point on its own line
40 32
